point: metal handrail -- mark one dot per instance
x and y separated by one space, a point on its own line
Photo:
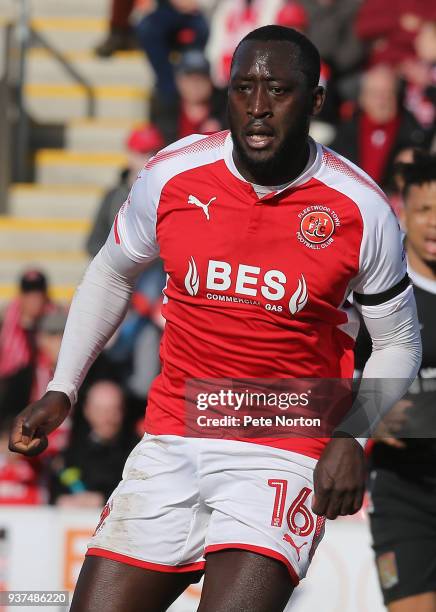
5 125
15 79
90 97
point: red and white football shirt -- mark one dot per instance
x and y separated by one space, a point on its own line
256 286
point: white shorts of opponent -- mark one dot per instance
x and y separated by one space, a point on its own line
182 498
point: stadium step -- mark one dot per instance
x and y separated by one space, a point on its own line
60 103
71 33
61 268
98 134
57 166
54 235
54 201
58 8
124 68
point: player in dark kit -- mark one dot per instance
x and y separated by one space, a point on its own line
403 475
263 234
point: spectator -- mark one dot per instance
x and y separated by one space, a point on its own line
420 76
120 36
390 30
141 145
92 464
173 25
198 108
330 28
17 340
380 128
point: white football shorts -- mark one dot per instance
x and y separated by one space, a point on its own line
182 498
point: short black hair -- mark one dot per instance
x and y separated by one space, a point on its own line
307 56
421 170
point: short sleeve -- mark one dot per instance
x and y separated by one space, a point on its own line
382 265
135 224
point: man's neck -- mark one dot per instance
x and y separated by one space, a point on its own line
280 174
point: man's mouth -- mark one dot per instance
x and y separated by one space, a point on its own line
430 245
259 138
259 141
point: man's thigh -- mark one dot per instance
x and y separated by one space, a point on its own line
243 581
261 500
111 586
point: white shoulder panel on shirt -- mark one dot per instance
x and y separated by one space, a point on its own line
135 226
382 262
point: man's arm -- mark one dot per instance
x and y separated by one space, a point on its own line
392 365
389 371
98 308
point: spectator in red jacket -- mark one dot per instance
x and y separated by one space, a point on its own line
198 107
419 74
17 340
380 128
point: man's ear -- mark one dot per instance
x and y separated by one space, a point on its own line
318 98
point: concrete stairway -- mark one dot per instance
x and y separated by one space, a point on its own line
49 220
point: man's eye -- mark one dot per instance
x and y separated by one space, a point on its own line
277 90
243 88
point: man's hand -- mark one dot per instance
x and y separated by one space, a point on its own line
30 428
339 479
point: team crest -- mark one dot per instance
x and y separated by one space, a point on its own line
318 223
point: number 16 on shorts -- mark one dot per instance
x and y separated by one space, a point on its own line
297 519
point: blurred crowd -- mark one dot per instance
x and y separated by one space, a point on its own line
379 69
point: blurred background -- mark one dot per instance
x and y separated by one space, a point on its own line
89 90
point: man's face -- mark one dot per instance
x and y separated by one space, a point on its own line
194 88
33 304
104 410
378 96
419 219
270 104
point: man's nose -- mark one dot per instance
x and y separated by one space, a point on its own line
259 102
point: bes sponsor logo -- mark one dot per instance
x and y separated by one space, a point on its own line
247 284
318 223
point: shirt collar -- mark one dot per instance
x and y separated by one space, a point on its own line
312 167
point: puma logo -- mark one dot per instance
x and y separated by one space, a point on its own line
287 538
205 207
